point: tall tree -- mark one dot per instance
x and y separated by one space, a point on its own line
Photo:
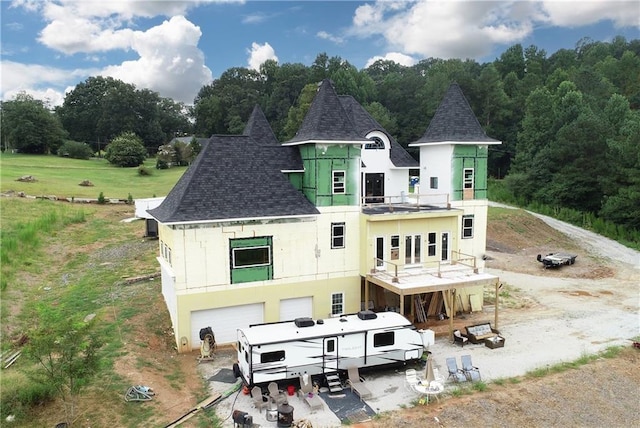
28 126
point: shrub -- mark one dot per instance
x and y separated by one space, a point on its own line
126 150
142 170
75 150
101 198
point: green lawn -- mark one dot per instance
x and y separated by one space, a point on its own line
61 177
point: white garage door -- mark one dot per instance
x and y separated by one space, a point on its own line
225 322
291 309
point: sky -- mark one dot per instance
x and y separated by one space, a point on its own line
176 47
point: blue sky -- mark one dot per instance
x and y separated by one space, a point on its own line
176 47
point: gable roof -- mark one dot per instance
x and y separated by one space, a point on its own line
454 121
365 123
233 177
326 120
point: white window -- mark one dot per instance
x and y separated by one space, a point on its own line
395 247
339 182
375 144
467 226
468 178
412 249
431 244
433 182
337 304
251 257
337 235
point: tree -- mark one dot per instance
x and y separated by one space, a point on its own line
66 351
28 126
126 150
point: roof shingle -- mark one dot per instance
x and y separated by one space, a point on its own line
234 177
454 121
326 119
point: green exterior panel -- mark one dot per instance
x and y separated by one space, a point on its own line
295 178
465 156
253 273
319 162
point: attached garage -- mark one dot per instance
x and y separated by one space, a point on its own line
291 309
225 322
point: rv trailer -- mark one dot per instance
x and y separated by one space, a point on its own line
287 350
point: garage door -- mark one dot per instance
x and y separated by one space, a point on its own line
291 309
225 322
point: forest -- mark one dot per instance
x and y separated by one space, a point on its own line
569 121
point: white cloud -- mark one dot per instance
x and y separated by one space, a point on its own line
624 13
328 36
396 57
170 61
258 54
470 29
39 81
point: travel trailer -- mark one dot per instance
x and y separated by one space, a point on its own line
287 350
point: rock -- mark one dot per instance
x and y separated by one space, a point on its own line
86 183
27 179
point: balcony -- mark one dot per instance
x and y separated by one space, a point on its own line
406 202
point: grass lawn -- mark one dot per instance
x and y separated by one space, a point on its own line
61 177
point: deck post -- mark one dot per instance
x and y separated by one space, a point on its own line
495 308
452 302
366 294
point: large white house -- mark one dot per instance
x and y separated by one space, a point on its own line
323 224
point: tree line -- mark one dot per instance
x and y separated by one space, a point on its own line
569 122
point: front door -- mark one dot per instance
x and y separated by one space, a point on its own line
374 188
330 354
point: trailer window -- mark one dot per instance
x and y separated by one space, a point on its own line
270 357
331 345
383 339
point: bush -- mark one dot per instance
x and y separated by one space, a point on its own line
101 198
142 170
75 150
126 150
20 395
162 164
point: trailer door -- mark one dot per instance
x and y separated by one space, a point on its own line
330 354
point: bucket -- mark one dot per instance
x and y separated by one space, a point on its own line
291 390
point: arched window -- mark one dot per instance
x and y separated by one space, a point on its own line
375 144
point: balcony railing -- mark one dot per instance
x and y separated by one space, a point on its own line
405 202
435 268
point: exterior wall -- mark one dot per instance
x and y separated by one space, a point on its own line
320 160
397 184
435 161
470 156
270 296
396 181
478 244
374 226
303 264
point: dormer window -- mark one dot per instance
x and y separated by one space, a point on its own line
375 144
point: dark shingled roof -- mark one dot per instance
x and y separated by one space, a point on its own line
454 121
326 119
260 131
365 123
233 177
